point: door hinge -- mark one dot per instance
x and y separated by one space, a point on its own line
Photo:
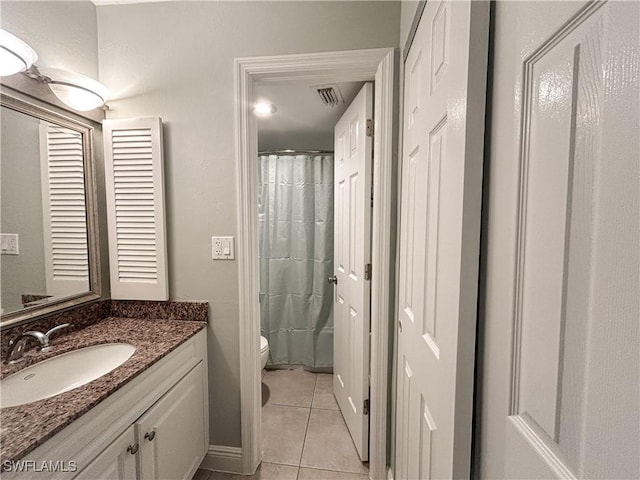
365 407
369 127
367 271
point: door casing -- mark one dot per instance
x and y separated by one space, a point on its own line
376 65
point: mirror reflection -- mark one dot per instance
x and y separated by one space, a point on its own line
43 219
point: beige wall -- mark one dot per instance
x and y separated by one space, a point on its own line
175 60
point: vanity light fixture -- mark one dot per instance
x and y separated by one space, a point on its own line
264 109
15 55
73 89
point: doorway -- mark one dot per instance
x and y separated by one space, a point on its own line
315 248
363 65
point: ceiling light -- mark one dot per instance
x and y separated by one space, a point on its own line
264 109
15 55
75 90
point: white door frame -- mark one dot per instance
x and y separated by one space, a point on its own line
354 65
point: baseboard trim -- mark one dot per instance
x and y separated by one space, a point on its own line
223 459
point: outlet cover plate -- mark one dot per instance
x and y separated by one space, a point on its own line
222 248
9 244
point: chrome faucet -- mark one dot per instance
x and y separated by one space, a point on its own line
16 346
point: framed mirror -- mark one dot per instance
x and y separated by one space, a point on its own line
49 256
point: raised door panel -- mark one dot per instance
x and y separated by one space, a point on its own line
117 462
573 383
171 434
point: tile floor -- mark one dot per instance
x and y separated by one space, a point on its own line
303 434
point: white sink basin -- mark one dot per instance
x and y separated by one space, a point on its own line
62 373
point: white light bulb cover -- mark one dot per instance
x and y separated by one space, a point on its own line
15 55
75 90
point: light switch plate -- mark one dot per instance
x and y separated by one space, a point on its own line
222 248
9 244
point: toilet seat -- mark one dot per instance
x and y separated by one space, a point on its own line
264 344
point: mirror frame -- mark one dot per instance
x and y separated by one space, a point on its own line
25 315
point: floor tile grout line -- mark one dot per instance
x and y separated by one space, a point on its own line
289 405
331 470
304 441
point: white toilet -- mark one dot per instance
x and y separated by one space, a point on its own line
264 352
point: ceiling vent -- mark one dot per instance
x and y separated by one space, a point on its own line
329 94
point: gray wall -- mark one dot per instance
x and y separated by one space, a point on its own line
21 201
175 60
407 12
63 33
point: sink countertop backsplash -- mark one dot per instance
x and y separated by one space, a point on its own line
79 317
154 328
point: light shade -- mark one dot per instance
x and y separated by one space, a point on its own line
75 90
264 109
15 55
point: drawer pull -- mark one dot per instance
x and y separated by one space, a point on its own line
133 449
150 435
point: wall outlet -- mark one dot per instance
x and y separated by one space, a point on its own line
9 244
222 248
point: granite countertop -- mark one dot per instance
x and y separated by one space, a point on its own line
25 427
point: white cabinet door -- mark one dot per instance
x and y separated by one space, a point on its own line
352 251
172 432
444 99
116 462
561 376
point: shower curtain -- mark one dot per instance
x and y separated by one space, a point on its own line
296 257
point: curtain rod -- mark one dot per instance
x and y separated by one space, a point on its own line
285 152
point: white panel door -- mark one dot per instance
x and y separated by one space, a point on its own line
444 100
561 369
352 251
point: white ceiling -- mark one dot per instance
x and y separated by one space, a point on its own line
302 120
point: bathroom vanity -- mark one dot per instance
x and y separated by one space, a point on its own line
147 419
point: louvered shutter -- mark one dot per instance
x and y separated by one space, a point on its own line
64 212
135 209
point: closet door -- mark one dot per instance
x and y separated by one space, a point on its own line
442 161
561 375
135 209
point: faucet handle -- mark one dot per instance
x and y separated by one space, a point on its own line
56 328
45 345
